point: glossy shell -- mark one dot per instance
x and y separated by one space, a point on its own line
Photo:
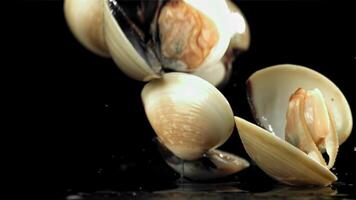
189 115
269 91
85 19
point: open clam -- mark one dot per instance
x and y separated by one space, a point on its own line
302 115
191 119
148 38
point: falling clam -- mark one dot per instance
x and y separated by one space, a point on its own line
191 119
302 115
148 38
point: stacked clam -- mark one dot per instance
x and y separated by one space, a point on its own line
149 38
184 49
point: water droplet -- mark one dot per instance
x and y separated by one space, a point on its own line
123 167
181 179
140 188
99 171
106 105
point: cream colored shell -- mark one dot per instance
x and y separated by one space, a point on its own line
269 90
85 19
279 159
122 51
189 115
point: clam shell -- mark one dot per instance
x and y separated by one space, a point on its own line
189 115
85 19
279 159
269 90
214 74
214 164
123 53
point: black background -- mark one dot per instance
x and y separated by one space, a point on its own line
81 123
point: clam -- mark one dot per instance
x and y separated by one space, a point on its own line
302 115
86 21
191 119
148 38
212 165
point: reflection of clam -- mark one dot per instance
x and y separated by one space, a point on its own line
200 187
305 115
281 192
192 118
147 38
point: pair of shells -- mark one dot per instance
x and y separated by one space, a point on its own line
107 29
192 118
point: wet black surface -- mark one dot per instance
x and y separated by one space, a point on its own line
230 190
182 189
83 133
